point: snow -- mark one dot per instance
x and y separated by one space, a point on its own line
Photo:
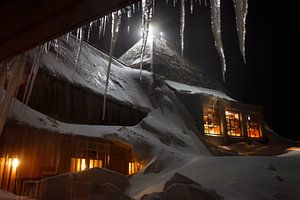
5 195
234 178
91 73
132 57
198 90
38 120
168 62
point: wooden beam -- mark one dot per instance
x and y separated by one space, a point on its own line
25 24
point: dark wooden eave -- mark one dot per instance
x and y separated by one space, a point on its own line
27 23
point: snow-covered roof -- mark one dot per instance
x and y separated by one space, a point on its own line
198 90
168 63
90 72
38 120
132 56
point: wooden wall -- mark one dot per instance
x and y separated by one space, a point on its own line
43 153
68 102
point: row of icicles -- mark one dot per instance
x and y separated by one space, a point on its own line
16 65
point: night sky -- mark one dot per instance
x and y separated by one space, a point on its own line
268 79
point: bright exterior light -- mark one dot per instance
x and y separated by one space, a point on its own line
150 31
161 34
15 162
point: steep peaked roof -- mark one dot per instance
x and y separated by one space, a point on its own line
168 63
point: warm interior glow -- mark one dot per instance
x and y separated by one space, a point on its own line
134 167
252 124
233 123
8 172
80 164
83 166
211 121
293 149
15 163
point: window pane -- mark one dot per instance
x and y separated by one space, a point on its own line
211 121
252 126
233 123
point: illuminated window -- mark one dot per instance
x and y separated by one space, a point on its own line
233 123
80 164
8 172
252 125
134 167
211 121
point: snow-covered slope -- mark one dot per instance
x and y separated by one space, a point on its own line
90 72
235 178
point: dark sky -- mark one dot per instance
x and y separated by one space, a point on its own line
268 79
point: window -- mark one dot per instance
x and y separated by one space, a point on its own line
252 125
134 167
211 121
233 123
8 172
80 164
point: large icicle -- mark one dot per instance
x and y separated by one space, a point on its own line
216 28
115 24
182 25
32 75
16 71
89 31
79 37
147 12
241 10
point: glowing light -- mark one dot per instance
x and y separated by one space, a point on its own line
15 162
83 166
161 34
150 31
134 167
293 149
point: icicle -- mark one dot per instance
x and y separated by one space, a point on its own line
67 37
128 29
115 24
174 3
47 47
13 83
241 10
205 3
129 12
147 12
58 48
32 74
216 28
133 8
182 25
191 6
89 32
79 36
101 22
104 24
167 1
